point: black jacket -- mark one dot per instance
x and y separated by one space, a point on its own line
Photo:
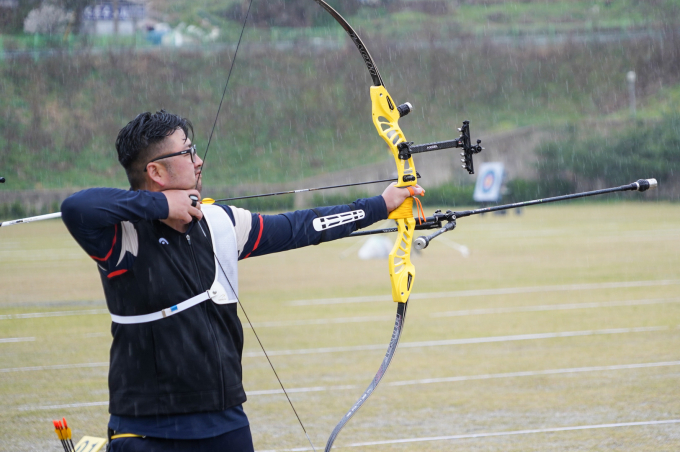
186 363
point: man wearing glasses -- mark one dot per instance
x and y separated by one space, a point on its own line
168 266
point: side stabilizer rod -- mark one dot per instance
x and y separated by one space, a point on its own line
422 241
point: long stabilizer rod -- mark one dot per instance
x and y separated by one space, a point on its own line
640 185
422 241
437 220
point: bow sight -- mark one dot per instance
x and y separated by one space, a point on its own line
463 141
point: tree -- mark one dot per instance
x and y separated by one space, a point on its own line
12 17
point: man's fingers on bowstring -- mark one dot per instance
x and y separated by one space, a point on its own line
195 212
180 205
195 208
194 194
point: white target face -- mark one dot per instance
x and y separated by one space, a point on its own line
489 181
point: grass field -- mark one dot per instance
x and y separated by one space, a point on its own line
565 316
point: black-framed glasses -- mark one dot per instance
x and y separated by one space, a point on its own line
191 151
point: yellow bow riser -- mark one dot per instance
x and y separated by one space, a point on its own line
386 121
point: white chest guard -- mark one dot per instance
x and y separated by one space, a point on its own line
225 250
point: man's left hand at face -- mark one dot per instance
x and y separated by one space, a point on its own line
394 197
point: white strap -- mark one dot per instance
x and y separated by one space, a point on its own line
225 246
167 312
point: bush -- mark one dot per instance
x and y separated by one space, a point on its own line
448 195
327 198
640 152
525 190
12 211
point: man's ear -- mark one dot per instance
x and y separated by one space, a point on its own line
157 173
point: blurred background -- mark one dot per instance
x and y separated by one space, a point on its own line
563 319
569 95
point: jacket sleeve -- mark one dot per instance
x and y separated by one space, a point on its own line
274 233
94 216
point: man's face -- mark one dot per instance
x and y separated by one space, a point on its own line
181 172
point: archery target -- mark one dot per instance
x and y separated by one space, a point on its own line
489 181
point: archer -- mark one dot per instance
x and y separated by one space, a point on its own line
168 266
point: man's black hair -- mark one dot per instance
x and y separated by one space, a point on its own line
138 141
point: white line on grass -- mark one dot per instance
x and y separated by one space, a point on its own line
35 315
423 296
490 434
554 307
16 339
529 373
338 320
474 340
533 373
344 320
61 407
54 367
482 292
331 321
56 254
469 312
425 381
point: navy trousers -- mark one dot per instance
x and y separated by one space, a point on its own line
239 440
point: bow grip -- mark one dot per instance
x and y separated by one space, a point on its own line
405 210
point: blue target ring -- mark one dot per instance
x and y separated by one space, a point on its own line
488 181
